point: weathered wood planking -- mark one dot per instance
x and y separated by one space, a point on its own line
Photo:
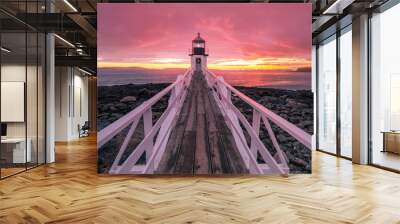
201 155
167 165
201 142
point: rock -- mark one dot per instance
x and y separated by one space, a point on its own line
277 157
305 123
121 106
299 162
128 99
283 97
269 100
282 138
108 107
144 93
113 109
116 115
295 104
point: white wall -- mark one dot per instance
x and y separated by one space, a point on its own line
16 73
62 82
50 94
79 117
70 84
360 89
203 61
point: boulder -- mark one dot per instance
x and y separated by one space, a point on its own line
128 99
281 138
294 103
300 162
113 109
116 115
144 93
121 106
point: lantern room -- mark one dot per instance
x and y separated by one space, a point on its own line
198 46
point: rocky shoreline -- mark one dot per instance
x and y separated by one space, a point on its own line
294 105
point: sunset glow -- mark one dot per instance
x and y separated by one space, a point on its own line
251 37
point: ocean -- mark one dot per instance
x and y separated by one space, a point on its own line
279 80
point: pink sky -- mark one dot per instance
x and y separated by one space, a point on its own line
252 35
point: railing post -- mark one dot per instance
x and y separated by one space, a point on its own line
256 128
124 146
148 145
281 155
172 97
148 124
228 95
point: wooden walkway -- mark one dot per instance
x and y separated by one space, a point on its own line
201 142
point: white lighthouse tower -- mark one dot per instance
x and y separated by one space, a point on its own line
198 54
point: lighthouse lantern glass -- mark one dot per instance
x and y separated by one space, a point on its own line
199 45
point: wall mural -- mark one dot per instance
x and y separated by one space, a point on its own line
204 89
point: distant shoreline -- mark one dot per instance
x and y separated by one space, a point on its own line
288 80
236 86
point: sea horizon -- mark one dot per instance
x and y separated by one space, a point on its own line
292 80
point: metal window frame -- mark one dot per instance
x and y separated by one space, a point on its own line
339 32
386 6
44 74
381 9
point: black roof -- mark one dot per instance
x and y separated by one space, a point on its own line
198 39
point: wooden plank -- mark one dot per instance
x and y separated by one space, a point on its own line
214 155
231 162
185 162
201 142
237 164
226 165
201 155
168 161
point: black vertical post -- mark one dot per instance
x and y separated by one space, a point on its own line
26 86
317 97
37 89
369 97
45 93
338 73
0 95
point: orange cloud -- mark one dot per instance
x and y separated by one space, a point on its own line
265 63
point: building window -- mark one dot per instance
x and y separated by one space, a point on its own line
327 95
346 92
385 89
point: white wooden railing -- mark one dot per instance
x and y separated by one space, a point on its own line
163 126
273 164
153 144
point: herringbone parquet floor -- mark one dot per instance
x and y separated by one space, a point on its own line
70 191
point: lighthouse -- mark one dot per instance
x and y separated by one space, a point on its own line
198 54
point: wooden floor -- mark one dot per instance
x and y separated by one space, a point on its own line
201 142
387 159
70 191
5 172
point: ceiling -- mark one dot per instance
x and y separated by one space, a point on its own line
76 21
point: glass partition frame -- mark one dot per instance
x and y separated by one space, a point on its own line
33 65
